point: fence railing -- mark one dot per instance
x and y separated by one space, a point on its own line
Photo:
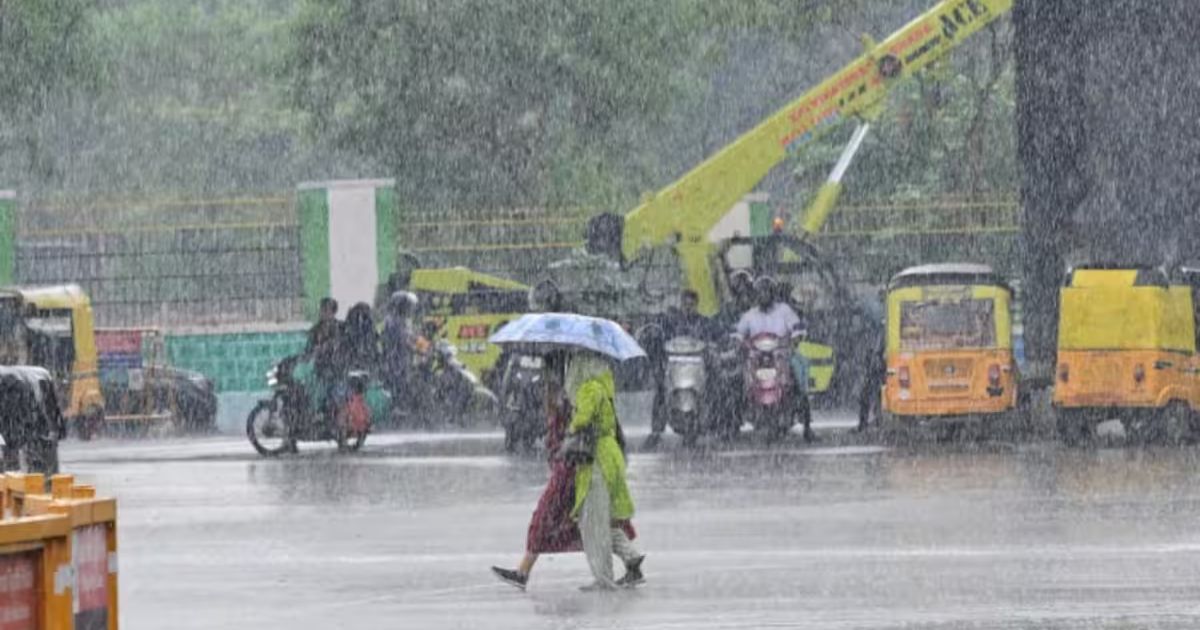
197 262
869 240
170 262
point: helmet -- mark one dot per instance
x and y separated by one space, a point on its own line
741 278
402 303
545 297
766 290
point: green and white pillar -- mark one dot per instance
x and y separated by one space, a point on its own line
8 237
347 239
751 216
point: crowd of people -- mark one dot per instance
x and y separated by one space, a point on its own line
338 347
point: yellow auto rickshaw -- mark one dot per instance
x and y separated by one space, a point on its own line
58 326
1127 351
949 346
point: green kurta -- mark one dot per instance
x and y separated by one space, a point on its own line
594 407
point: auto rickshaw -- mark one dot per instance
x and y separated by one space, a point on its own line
30 420
949 347
58 326
1127 351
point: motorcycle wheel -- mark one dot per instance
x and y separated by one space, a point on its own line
267 431
349 441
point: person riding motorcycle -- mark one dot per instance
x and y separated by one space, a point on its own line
360 342
769 315
685 321
323 349
772 316
398 343
741 292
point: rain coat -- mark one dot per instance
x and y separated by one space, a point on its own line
594 407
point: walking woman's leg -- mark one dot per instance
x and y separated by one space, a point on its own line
594 526
519 577
624 549
526 566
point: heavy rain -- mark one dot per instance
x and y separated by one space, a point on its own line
724 314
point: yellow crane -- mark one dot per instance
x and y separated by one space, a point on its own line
685 212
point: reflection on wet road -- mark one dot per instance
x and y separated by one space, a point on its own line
823 537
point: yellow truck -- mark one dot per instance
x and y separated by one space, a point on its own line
1126 350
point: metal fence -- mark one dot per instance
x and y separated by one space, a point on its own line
169 263
179 263
869 241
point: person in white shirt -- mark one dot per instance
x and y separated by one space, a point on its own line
769 316
775 317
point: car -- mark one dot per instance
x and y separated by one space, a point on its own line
187 395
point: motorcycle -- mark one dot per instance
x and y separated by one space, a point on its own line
687 378
444 387
289 416
771 392
522 390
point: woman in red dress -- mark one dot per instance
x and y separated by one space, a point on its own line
552 530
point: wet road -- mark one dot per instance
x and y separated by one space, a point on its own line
752 537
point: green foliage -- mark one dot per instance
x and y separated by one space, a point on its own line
48 55
479 102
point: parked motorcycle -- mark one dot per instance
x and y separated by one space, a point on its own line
277 424
775 403
522 391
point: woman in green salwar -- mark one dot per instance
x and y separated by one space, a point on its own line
602 499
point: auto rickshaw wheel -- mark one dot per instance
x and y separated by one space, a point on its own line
90 423
1177 423
1074 427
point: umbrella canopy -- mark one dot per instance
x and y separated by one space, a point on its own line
550 331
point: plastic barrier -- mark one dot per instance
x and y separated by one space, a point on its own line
58 555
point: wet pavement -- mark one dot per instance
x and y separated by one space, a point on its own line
822 536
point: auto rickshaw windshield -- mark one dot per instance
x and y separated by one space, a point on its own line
947 325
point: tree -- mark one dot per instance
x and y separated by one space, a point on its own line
480 102
49 56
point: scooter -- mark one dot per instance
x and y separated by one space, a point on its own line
522 389
687 378
277 424
775 401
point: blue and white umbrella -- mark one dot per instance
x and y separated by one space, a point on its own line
562 330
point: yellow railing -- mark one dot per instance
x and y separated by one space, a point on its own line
58 555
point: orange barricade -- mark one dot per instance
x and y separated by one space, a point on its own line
58 555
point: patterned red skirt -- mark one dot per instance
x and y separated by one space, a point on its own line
551 530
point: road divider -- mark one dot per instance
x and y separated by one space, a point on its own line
58 555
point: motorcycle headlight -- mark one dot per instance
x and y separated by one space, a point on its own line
686 401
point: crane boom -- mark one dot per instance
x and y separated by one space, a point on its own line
693 204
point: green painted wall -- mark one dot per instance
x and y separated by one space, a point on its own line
386 219
235 362
760 218
8 238
313 208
